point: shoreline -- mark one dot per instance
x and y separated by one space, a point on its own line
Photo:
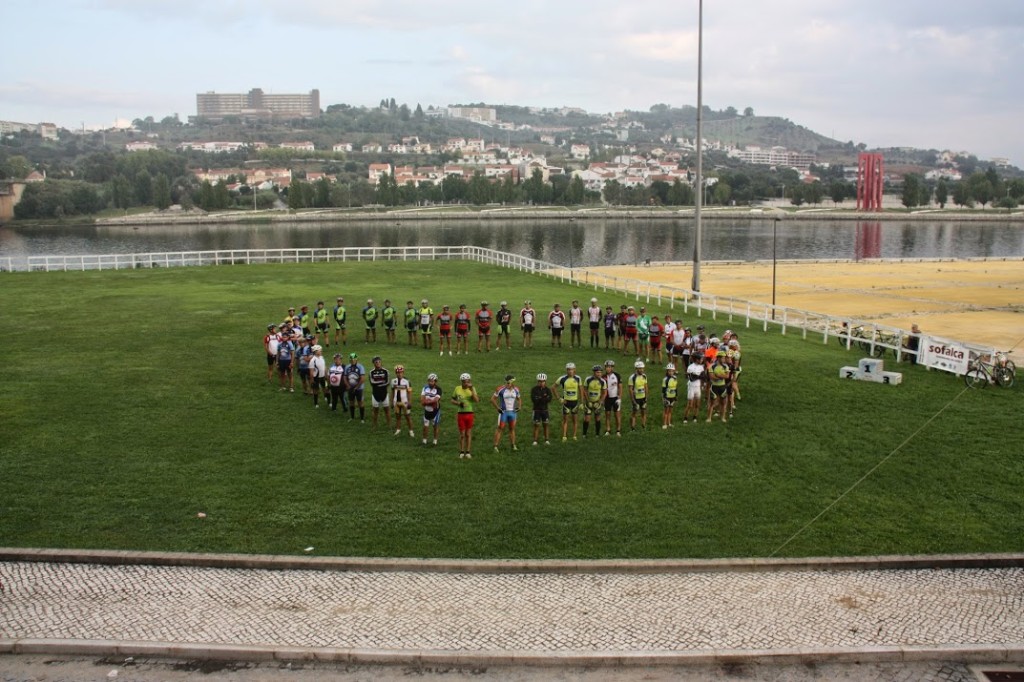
432 215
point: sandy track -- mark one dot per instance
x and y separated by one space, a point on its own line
980 301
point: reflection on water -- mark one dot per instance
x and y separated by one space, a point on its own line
581 243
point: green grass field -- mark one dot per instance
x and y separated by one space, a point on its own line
131 401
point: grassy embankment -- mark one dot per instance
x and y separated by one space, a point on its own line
130 401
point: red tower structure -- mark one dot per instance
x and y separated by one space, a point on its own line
869 182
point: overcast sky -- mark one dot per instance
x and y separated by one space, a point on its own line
923 73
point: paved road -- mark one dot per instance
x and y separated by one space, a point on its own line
510 617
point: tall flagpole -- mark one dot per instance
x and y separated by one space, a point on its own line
695 284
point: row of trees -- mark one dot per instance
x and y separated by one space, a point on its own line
58 199
453 189
978 189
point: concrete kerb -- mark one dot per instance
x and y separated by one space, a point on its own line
497 566
969 654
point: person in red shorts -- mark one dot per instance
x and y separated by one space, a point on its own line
463 398
462 324
444 329
484 317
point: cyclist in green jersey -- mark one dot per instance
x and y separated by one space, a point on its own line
412 321
370 314
339 321
305 321
389 318
643 329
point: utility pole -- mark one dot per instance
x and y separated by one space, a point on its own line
695 284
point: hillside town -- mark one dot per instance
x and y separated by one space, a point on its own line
618 158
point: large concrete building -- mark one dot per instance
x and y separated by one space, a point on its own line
257 104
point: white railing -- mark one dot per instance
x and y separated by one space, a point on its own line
870 337
170 259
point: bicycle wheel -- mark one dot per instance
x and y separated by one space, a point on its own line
1004 377
976 378
879 351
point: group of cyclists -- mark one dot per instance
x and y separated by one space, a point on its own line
702 369
622 330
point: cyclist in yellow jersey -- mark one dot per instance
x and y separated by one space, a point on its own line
638 394
321 326
595 390
669 394
718 373
463 397
733 357
570 386
426 321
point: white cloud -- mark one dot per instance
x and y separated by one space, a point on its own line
664 46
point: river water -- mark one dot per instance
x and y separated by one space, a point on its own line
578 243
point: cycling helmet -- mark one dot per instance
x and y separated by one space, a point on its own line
399 368
352 356
542 377
596 368
431 377
464 376
639 364
271 326
510 378
609 363
317 347
570 365
670 366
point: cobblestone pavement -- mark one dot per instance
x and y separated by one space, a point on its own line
523 613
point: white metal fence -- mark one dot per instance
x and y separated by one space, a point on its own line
867 336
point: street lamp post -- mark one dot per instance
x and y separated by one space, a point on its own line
695 284
775 227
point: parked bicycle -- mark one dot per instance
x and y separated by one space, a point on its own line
893 343
868 341
854 337
982 372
